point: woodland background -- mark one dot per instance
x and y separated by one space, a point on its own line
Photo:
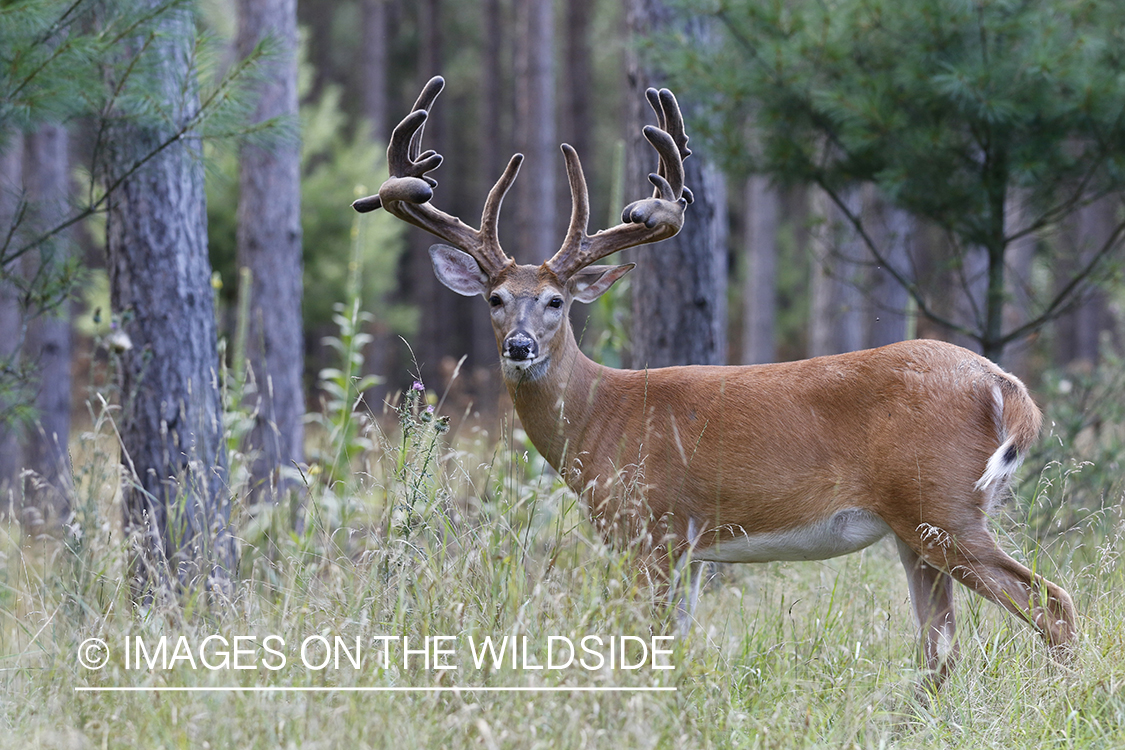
862 174
230 403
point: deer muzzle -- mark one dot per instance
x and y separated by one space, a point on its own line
520 347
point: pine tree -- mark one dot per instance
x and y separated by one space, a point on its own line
176 500
269 246
955 111
132 70
679 287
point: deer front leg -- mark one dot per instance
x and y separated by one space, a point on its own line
686 581
931 595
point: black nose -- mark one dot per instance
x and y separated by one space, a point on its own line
520 347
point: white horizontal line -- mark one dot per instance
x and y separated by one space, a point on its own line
360 689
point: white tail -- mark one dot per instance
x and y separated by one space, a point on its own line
795 461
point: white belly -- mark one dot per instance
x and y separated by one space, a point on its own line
847 531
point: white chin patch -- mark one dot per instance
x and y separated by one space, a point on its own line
524 369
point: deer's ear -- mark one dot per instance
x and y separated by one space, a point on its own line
458 271
592 282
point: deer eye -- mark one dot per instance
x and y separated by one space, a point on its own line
555 303
495 300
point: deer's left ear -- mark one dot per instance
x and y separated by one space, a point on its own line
592 282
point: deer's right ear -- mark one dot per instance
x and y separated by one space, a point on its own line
458 271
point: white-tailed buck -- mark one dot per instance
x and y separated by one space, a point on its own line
795 461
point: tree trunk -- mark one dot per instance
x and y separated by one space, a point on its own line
47 346
679 287
269 245
894 231
577 78
492 162
175 499
536 191
376 39
12 324
836 315
820 278
759 283
1020 254
436 303
969 284
378 354
1078 332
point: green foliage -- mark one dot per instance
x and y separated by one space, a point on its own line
61 60
935 101
343 389
1083 452
948 107
64 59
336 161
48 62
335 169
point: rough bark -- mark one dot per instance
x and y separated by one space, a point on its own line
759 283
679 287
969 284
269 245
820 279
46 350
576 92
175 494
375 51
492 161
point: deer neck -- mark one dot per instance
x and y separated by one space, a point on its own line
556 404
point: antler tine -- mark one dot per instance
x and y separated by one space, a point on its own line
490 216
579 197
408 191
425 100
570 256
667 109
653 97
493 258
645 221
579 194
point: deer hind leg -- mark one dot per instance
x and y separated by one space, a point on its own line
931 593
996 576
974 559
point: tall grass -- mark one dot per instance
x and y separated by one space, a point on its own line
411 531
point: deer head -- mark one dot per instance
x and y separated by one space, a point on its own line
529 303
